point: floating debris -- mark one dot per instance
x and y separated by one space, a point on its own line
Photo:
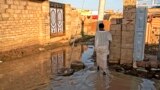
77 65
157 75
41 49
141 69
138 72
93 60
65 72
1 61
155 69
90 46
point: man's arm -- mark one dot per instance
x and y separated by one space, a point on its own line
110 45
95 42
110 40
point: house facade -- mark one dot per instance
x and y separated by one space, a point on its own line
31 22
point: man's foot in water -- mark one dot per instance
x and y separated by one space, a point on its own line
104 73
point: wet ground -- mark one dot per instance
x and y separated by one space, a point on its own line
39 72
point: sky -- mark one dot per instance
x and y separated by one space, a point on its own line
116 5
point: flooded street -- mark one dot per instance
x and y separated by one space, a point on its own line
39 72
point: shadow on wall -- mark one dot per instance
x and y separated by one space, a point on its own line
151 49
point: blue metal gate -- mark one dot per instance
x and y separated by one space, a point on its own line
139 38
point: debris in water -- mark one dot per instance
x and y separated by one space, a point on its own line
127 66
155 69
145 72
157 75
77 65
65 72
1 61
93 60
142 70
41 49
117 68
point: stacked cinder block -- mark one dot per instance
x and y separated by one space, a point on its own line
115 47
128 29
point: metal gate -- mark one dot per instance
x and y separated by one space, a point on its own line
57 19
139 38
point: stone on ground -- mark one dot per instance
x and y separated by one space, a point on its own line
77 65
65 72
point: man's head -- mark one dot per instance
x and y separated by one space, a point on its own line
101 26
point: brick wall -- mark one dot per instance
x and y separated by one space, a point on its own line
20 22
91 26
72 25
25 23
72 21
153 29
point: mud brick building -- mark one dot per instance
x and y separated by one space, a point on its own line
31 22
153 26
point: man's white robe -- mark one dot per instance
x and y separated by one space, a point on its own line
102 39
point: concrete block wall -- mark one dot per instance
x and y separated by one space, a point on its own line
123 35
128 29
115 47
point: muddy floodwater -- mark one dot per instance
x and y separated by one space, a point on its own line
39 72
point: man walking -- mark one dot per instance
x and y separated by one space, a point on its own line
102 42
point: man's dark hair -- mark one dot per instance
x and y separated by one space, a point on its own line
101 25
